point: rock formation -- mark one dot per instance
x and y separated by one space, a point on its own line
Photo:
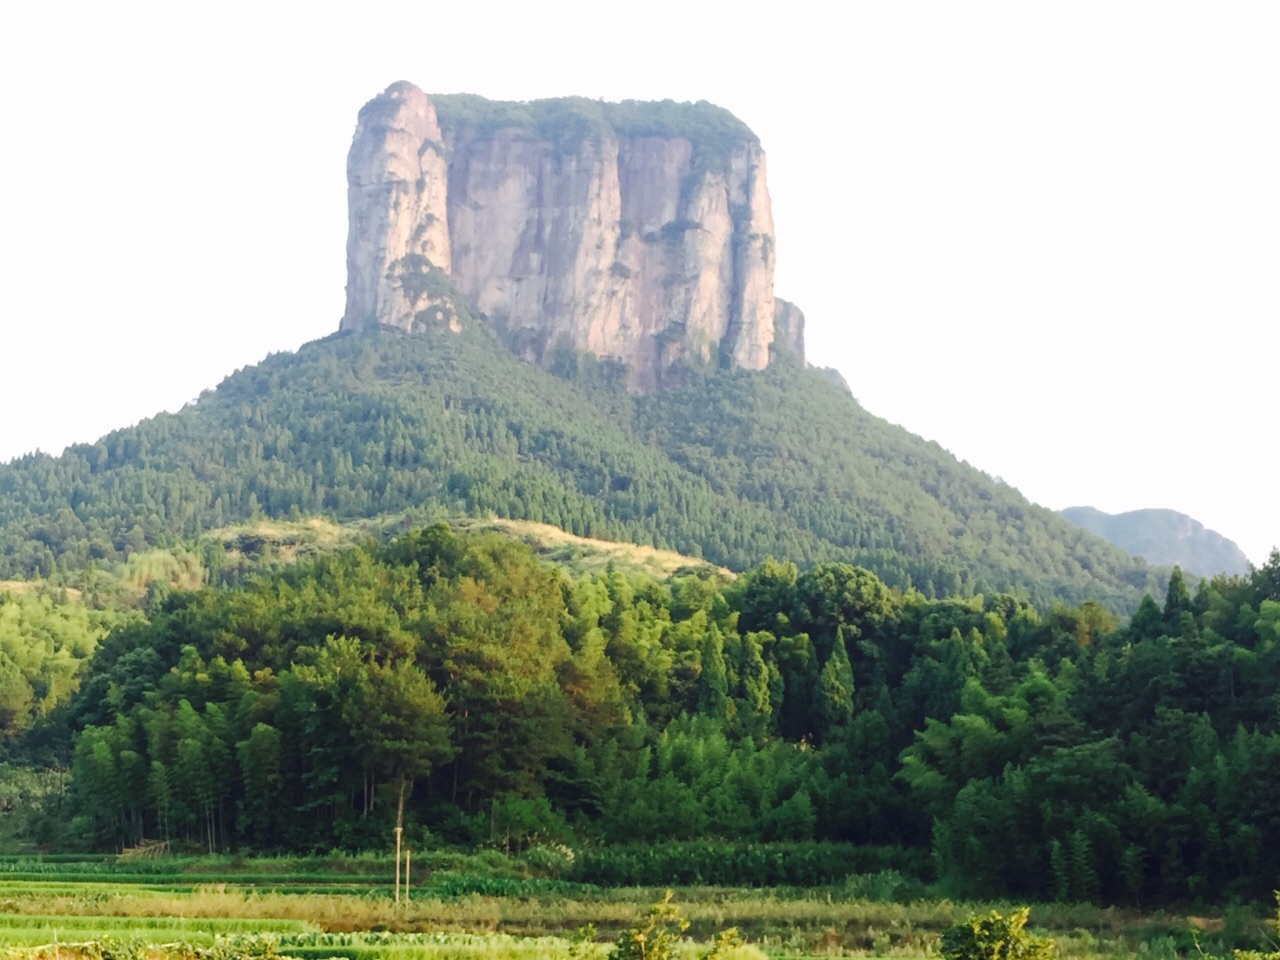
396 183
637 232
788 327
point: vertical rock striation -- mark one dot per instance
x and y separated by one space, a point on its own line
637 232
398 221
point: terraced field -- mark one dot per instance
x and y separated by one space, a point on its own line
488 907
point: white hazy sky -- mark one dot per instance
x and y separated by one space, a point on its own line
1043 234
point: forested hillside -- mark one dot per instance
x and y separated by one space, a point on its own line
1046 755
733 466
1164 537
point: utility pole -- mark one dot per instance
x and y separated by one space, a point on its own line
399 831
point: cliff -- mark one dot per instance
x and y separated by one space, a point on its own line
788 327
397 229
640 232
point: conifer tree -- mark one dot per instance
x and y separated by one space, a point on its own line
834 706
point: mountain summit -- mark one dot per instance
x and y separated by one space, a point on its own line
637 232
562 231
1165 538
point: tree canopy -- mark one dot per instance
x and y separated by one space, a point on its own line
1038 755
734 466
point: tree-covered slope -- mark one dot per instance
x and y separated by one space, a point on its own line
733 467
797 442
457 685
1165 537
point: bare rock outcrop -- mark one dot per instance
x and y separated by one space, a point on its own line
788 328
637 232
398 220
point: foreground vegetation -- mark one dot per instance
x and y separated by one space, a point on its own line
783 727
241 915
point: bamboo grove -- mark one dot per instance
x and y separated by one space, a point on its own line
1050 754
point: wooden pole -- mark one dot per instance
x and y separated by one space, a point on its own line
399 831
408 859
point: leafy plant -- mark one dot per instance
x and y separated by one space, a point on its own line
1272 954
655 936
728 943
996 936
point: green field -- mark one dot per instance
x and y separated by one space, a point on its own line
222 909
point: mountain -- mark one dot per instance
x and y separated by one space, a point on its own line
733 466
625 248
639 232
1165 538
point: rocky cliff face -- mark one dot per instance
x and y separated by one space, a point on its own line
398 226
788 327
637 232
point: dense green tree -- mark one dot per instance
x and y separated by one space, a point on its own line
260 815
444 423
1177 605
15 698
460 682
834 704
713 682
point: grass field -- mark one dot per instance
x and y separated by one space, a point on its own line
223 909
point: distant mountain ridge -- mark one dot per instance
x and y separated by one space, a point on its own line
1164 538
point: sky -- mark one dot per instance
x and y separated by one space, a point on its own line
1044 235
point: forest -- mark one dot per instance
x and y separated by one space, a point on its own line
732 466
488 697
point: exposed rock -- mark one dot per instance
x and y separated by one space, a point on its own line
637 232
788 327
398 229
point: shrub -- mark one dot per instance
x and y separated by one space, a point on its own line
795 864
994 937
655 936
1272 954
549 859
